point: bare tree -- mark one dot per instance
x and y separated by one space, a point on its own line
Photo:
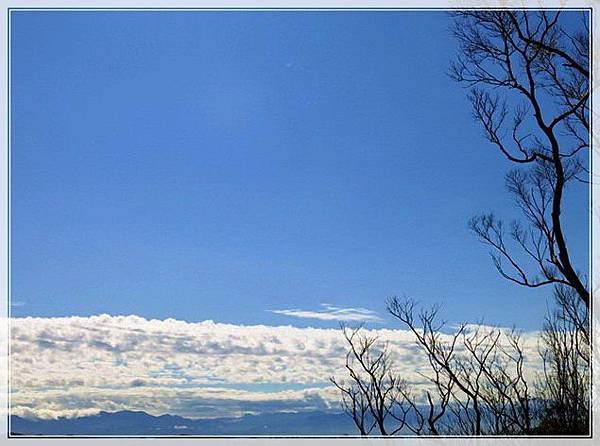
529 81
564 390
374 390
540 123
481 367
476 381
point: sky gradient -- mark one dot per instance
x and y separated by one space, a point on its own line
253 168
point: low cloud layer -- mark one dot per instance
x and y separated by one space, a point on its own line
75 366
333 313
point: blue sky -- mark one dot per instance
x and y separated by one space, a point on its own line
222 165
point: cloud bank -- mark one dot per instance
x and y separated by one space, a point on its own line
73 366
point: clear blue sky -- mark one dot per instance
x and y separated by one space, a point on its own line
216 165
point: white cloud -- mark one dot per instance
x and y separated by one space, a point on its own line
72 366
334 313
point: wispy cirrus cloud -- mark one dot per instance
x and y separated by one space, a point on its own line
333 313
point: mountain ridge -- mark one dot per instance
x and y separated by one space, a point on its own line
140 423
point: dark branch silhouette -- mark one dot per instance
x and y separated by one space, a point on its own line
477 382
541 123
529 81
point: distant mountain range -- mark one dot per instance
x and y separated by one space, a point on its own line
142 424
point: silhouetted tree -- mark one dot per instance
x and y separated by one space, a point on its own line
373 390
564 389
529 80
528 76
375 396
476 381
